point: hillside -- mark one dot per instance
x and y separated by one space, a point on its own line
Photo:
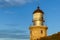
52 37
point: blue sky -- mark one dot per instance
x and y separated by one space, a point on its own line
16 17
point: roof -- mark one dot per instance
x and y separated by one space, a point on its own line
38 10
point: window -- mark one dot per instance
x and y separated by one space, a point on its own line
41 31
30 31
34 23
37 39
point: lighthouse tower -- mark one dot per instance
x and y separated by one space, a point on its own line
38 29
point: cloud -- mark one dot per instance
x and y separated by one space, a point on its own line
12 25
12 31
6 3
9 12
12 39
13 34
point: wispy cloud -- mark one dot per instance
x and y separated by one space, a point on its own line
13 34
12 39
9 12
12 25
6 3
12 31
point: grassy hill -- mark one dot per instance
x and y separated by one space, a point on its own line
52 37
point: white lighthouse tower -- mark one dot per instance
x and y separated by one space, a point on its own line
38 29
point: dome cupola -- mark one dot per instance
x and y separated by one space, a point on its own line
38 10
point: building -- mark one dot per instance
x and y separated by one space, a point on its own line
38 29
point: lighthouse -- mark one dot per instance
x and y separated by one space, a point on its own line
38 29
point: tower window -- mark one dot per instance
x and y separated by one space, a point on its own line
37 39
34 23
30 31
41 31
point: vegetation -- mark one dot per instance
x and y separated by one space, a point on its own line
52 37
